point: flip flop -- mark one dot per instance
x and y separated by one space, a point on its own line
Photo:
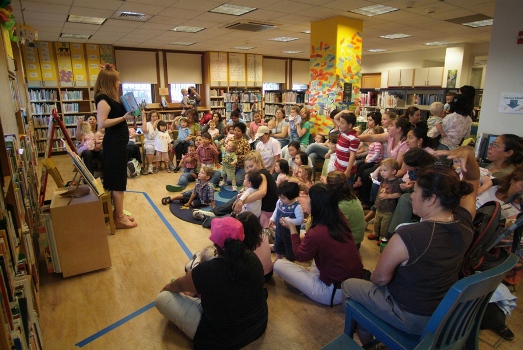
173 188
166 200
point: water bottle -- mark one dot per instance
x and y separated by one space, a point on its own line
383 243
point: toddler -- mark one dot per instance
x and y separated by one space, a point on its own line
99 137
375 155
294 119
300 159
229 161
201 196
162 140
88 139
304 176
319 139
282 169
183 140
289 208
188 164
228 130
330 158
448 99
213 131
207 153
252 182
387 198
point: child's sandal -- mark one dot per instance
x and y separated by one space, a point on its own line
166 200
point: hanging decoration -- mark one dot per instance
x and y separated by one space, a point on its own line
7 19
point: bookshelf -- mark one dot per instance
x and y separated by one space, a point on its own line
274 99
71 103
217 100
247 100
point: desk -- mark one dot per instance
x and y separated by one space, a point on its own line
80 233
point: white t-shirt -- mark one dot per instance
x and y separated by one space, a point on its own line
162 140
268 151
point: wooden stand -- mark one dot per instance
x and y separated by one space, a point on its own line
80 235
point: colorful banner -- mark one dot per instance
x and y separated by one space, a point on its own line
63 59
93 62
32 66
48 64
78 63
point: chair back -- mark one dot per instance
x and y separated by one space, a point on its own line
462 308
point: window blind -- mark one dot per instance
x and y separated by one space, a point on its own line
137 66
184 68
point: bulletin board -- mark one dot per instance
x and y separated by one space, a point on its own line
218 67
236 67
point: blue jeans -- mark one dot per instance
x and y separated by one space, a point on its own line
186 177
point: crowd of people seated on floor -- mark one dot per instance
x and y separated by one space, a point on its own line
423 188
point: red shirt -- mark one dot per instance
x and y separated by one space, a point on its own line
347 142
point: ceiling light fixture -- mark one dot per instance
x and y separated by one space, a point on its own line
306 31
437 43
187 29
182 43
235 10
74 36
395 36
377 50
243 47
477 24
374 10
292 52
283 39
86 19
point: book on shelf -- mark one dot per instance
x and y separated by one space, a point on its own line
130 104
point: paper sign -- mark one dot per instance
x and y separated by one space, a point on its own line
163 91
511 103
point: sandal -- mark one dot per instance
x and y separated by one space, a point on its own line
166 200
120 225
131 219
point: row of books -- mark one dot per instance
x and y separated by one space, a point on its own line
57 146
72 95
43 95
216 92
70 107
41 134
254 96
43 108
425 99
43 121
295 97
218 103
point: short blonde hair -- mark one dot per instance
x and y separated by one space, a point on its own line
436 108
390 163
254 156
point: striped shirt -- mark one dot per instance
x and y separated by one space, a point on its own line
347 142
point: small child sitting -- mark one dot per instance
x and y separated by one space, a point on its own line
213 131
228 130
201 196
375 156
162 140
88 139
300 159
304 175
181 124
251 184
387 198
282 169
229 161
289 208
188 164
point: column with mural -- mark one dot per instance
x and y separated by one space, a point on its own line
335 68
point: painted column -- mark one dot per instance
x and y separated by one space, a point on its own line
335 68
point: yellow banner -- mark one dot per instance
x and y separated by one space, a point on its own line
48 63
63 59
32 64
78 62
93 62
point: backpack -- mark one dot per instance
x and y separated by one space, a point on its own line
133 168
488 225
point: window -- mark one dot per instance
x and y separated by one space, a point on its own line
271 86
300 87
140 91
176 91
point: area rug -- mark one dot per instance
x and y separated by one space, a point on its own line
176 209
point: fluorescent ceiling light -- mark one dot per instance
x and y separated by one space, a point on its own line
235 10
395 36
437 43
374 10
181 43
283 39
476 24
85 19
292 52
75 36
186 29
306 31
243 47
377 50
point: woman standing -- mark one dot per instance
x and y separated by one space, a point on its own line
232 311
330 243
281 128
422 260
111 116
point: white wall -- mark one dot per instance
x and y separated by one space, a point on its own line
504 73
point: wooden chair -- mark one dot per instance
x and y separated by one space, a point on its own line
454 324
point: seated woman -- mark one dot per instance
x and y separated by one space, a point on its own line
232 310
87 155
348 204
422 260
329 242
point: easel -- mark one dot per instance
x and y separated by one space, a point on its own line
53 121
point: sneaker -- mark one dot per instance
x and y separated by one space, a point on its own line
171 167
169 170
372 237
222 183
234 188
202 214
177 169
504 332
143 171
150 169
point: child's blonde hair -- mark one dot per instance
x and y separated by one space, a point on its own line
234 145
378 129
436 108
208 171
86 128
306 170
390 163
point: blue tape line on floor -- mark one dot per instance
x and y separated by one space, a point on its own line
113 326
146 307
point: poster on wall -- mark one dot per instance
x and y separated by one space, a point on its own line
511 103
451 78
